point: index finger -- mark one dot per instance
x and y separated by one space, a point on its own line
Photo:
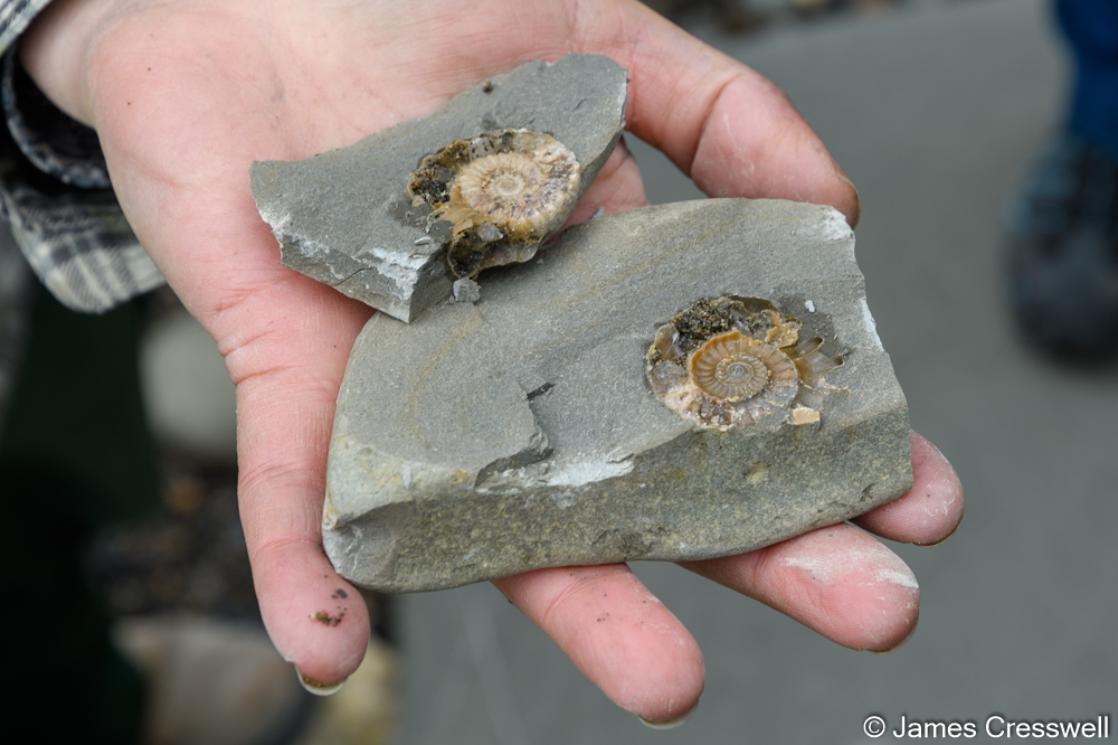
725 125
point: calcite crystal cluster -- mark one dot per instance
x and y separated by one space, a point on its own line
676 382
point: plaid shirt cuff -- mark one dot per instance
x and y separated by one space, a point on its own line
15 16
13 318
55 192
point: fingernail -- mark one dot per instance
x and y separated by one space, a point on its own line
933 544
856 208
318 688
843 177
902 642
670 724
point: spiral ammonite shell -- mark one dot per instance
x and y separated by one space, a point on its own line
732 367
734 361
503 192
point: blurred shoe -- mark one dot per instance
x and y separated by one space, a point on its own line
1063 254
213 683
188 397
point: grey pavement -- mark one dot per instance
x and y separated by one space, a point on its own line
934 111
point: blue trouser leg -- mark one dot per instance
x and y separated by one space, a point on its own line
1091 27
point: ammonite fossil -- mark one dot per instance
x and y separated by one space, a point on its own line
734 361
503 192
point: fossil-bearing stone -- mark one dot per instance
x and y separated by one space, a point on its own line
523 432
343 218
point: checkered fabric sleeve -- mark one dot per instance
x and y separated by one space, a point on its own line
55 190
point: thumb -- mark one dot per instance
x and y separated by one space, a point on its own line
287 360
285 340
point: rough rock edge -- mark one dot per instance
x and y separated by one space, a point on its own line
420 271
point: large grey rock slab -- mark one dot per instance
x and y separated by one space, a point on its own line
341 217
520 432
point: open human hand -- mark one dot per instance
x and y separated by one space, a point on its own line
185 95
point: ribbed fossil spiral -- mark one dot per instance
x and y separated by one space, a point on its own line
503 192
733 367
734 361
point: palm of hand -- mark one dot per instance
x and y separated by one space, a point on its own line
186 95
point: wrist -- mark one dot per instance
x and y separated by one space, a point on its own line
54 49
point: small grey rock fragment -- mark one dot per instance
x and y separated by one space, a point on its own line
341 217
465 290
483 441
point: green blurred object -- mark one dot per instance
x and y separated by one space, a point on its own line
75 456
76 410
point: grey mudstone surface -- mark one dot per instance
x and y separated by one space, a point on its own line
520 432
341 216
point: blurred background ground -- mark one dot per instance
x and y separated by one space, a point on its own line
934 108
